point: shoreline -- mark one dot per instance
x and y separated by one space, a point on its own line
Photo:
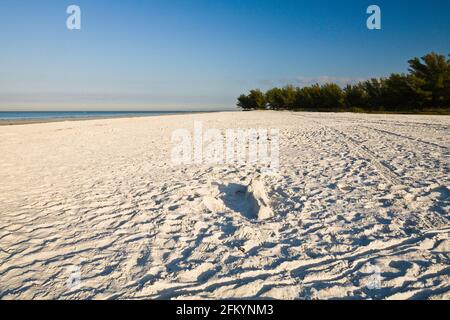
16 122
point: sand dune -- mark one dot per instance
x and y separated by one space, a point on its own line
359 208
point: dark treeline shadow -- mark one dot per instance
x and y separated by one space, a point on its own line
424 89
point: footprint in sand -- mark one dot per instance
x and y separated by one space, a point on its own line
251 200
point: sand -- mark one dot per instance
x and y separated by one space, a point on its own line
358 209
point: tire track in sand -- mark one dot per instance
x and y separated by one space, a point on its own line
364 152
384 170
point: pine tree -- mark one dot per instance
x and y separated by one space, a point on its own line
433 70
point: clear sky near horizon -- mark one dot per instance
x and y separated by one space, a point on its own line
199 54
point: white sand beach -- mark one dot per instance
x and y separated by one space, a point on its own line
359 209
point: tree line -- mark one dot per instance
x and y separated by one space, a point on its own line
426 87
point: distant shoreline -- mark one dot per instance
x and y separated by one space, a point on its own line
25 121
15 122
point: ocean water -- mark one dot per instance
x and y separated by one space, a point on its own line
38 115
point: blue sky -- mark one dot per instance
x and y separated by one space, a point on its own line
199 54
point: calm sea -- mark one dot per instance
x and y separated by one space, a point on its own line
80 114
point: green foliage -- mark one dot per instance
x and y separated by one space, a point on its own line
427 86
355 95
447 86
308 97
254 101
281 98
331 96
433 69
